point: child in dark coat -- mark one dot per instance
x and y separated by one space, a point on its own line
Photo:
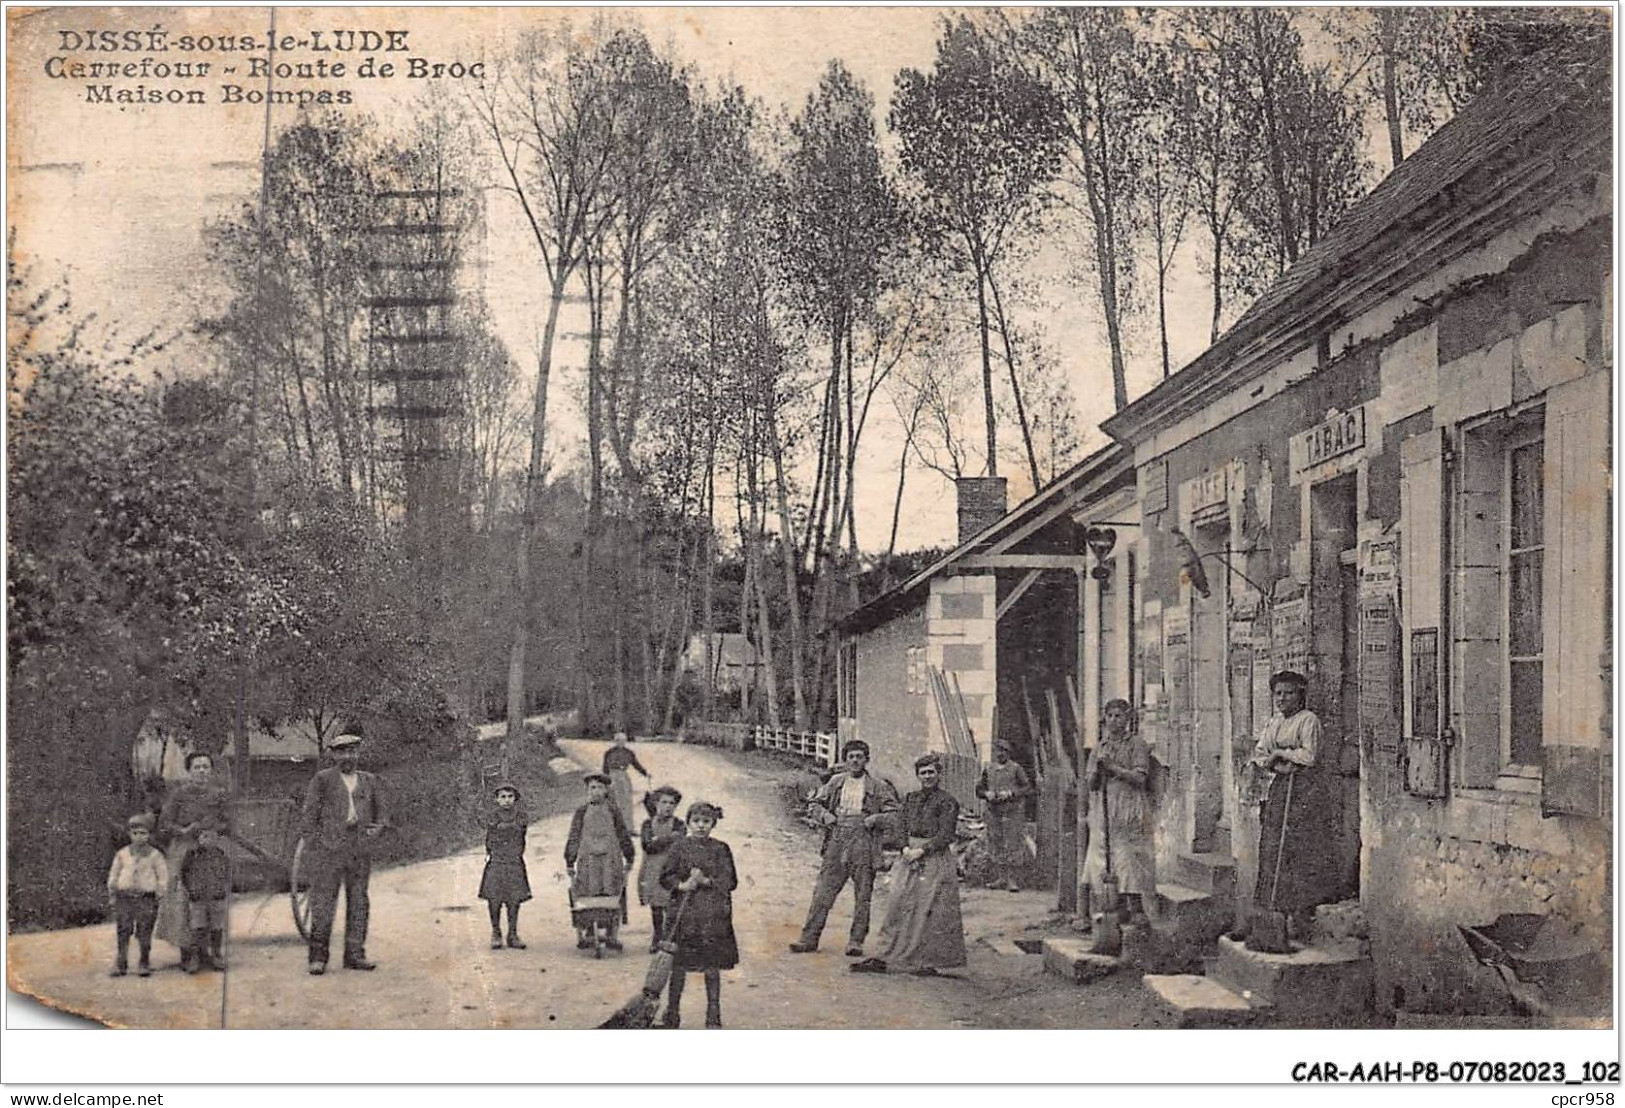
701 870
505 882
206 879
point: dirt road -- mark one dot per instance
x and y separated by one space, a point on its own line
430 936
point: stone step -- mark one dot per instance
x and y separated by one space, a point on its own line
1069 957
1190 915
1188 1000
1160 949
1325 985
1208 872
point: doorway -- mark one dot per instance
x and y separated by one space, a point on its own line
1334 689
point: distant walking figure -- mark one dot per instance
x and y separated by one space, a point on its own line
855 808
616 760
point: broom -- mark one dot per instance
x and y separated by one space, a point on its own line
1268 932
639 1012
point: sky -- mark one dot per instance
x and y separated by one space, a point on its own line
117 197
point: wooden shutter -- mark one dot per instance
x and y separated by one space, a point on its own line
1576 596
1422 535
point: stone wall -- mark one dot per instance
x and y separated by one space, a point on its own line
894 696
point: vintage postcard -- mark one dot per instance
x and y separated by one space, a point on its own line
1086 518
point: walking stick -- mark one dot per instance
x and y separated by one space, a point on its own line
1269 930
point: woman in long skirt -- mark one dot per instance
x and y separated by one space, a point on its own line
659 833
1005 786
616 760
1118 814
1297 844
701 871
597 854
923 931
192 806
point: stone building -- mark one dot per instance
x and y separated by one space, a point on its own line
998 616
1393 475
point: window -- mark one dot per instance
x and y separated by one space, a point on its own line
1499 604
1522 571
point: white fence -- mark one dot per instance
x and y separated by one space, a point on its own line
821 747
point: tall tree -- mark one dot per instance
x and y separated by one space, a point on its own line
979 141
1089 57
548 119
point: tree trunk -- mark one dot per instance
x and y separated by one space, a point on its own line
1388 22
1162 312
992 468
1015 383
523 586
792 590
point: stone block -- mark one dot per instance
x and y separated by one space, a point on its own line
1477 382
1214 874
981 681
1480 610
1189 1000
1551 352
1189 915
981 630
1345 920
948 628
1318 986
964 605
984 583
1155 949
1070 958
963 656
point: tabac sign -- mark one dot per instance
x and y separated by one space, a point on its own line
1338 438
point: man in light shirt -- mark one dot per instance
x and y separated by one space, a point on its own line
857 810
342 816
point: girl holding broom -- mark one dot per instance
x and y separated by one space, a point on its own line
700 870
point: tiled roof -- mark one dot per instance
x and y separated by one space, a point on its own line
1554 89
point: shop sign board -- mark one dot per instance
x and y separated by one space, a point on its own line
1341 434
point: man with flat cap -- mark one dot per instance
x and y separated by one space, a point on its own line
343 815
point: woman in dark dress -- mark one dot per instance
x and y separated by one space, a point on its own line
700 870
617 759
923 931
505 881
195 805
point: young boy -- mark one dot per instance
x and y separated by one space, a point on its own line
136 880
206 878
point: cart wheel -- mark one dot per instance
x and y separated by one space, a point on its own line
299 889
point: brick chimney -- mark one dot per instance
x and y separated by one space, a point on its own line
981 504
